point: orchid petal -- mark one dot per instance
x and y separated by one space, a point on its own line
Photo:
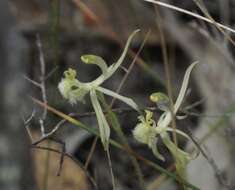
178 132
97 60
116 65
126 100
184 87
153 145
102 122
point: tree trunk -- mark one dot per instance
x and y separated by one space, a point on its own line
15 160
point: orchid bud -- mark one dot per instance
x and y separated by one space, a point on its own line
161 99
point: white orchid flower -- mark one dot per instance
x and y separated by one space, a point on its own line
148 132
74 91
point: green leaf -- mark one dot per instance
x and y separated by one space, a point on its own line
102 122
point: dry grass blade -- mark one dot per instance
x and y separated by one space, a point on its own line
191 14
202 7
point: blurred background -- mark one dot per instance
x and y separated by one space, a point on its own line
40 39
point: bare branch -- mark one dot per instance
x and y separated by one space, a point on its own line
27 122
32 81
43 74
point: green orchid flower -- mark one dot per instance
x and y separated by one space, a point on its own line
71 89
148 132
145 132
75 91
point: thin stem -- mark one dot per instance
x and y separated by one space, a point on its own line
43 74
91 153
44 114
32 81
168 75
111 169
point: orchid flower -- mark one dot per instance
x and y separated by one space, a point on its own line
148 132
75 91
